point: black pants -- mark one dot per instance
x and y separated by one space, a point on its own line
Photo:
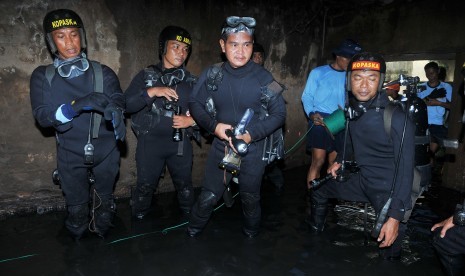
274 174
75 184
451 250
152 154
250 177
74 176
354 190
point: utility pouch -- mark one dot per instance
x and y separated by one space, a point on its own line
273 148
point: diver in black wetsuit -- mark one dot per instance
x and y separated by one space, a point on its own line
64 96
376 154
238 87
157 100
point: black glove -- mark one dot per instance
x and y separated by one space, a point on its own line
114 114
437 93
92 102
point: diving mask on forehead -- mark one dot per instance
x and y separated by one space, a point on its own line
234 21
236 24
68 67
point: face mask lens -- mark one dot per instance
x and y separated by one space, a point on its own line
66 68
249 21
173 78
234 21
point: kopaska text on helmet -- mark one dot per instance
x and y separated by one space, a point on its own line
173 33
62 18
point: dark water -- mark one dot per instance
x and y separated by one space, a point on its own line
158 245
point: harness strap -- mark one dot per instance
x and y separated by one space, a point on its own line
98 87
49 73
387 117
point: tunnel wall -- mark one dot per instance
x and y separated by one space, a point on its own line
297 36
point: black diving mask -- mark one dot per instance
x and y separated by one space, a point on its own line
173 77
68 67
236 24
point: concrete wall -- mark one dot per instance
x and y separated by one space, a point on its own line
297 35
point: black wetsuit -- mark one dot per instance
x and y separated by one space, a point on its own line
73 136
153 124
239 89
376 155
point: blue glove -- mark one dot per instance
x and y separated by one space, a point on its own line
115 114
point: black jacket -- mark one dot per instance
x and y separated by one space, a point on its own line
376 153
239 89
139 104
73 135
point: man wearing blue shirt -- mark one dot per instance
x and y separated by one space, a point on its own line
438 96
324 93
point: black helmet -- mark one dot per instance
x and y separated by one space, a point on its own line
173 33
62 18
367 61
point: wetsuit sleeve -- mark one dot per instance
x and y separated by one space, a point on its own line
112 88
308 94
401 199
197 103
136 94
259 129
43 108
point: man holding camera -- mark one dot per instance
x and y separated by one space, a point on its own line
157 100
385 157
82 100
220 99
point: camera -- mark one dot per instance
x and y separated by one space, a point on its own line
408 80
232 161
